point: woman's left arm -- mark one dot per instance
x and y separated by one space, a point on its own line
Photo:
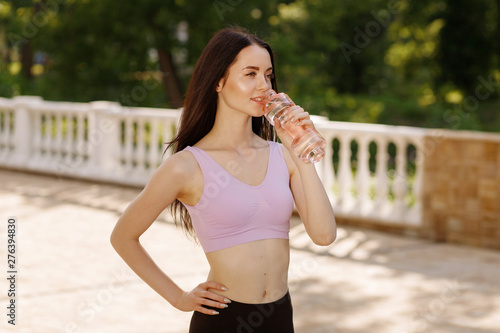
308 191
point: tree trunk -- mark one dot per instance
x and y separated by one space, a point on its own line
170 79
27 60
27 50
7 56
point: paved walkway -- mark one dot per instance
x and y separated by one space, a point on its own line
71 280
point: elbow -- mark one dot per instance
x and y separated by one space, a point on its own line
327 235
116 240
120 241
326 239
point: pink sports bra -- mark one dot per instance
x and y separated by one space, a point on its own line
231 212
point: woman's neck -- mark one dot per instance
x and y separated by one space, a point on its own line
232 130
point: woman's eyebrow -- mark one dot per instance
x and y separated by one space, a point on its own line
256 68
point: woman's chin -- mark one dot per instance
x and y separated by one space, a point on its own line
258 112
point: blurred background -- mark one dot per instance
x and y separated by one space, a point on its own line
431 64
419 63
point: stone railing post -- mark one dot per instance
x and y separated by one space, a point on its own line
23 128
104 138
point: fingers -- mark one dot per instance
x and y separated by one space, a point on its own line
277 125
213 285
305 123
215 303
206 310
296 111
213 299
202 307
295 116
208 298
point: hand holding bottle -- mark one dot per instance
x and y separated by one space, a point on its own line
295 116
306 143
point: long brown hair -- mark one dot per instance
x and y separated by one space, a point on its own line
200 105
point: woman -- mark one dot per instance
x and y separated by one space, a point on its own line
232 187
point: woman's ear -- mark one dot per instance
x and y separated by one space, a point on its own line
220 85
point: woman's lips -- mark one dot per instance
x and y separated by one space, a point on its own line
259 100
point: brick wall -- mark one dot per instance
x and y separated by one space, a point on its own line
461 188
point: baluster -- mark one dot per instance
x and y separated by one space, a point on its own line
64 136
47 144
68 146
80 145
128 144
382 181
328 176
363 175
5 137
161 141
153 144
9 133
416 211
37 138
59 134
399 185
121 134
13 117
345 173
168 135
141 146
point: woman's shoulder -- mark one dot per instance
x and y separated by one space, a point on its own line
180 164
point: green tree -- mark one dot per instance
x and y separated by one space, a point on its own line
340 43
138 53
467 43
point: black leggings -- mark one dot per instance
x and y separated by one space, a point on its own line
247 318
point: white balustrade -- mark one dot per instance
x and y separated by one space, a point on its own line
6 142
107 142
387 196
100 140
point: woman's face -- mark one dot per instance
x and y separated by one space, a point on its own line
248 77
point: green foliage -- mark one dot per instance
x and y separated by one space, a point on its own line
396 62
461 59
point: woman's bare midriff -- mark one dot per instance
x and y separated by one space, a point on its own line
254 272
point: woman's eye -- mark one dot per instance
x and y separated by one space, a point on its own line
253 74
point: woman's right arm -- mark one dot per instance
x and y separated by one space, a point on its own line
169 182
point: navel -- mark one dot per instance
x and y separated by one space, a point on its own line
265 292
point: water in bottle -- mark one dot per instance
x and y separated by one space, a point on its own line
307 143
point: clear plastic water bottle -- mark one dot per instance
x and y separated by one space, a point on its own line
307 143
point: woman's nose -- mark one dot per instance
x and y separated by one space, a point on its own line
263 84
